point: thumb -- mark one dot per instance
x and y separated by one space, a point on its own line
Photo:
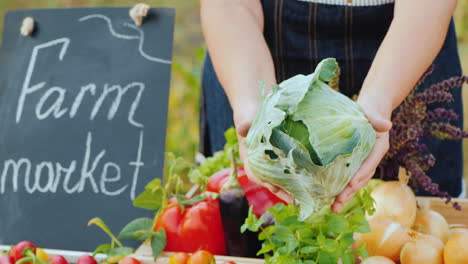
243 128
381 124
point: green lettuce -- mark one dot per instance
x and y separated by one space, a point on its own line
309 139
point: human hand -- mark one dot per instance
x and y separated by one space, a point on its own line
382 126
244 120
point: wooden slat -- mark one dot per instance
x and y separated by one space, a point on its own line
451 215
163 259
144 252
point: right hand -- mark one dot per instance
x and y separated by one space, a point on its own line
243 125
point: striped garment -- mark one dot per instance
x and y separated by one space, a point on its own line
351 2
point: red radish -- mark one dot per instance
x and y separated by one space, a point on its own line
86 259
396 201
57 260
5 259
18 251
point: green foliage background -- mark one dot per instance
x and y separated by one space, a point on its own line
182 130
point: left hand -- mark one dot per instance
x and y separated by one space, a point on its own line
365 173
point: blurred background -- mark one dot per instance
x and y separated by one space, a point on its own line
182 130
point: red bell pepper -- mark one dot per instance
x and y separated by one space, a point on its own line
258 196
196 227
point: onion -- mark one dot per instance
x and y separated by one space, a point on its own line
377 260
456 249
385 239
457 228
396 201
432 223
423 249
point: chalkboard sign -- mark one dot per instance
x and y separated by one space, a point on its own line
83 109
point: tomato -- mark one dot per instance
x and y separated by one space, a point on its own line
18 251
5 259
86 259
179 258
57 260
201 257
129 260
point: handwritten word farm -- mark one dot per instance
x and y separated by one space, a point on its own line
91 171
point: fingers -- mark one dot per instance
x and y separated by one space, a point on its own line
358 182
282 194
364 174
381 125
380 120
243 129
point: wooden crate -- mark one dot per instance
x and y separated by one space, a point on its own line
453 216
142 254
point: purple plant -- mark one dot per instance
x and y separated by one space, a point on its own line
412 122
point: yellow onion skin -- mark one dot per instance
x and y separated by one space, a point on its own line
423 249
386 238
432 223
456 249
377 260
457 228
394 200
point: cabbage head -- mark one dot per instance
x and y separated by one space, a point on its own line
309 139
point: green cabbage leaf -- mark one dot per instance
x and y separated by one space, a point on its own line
309 139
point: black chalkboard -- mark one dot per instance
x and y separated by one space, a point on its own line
83 109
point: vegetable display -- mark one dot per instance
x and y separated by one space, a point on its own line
325 238
27 252
193 227
308 139
427 240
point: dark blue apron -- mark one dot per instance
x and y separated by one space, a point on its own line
300 34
